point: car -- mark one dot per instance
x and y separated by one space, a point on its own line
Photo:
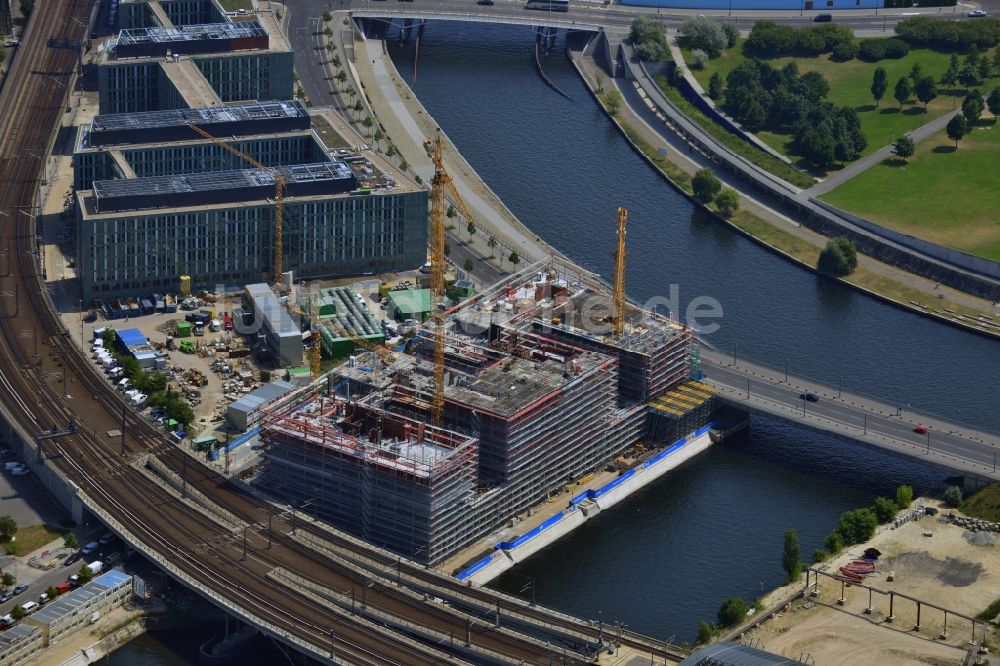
977 13
6 596
19 589
920 429
73 559
823 18
426 268
809 397
89 548
20 471
484 2
106 539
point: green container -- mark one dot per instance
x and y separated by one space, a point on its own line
183 329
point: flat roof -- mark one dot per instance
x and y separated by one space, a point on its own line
205 116
190 33
132 337
72 601
728 653
411 300
262 396
279 318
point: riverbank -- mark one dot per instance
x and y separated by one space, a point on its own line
677 162
926 559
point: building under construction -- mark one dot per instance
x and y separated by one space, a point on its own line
537 380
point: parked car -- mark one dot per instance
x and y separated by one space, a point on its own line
106 539
6 596
20 471
19 589
89 548
809 397
73 559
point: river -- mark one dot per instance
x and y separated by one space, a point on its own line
665 558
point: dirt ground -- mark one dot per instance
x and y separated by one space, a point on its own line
928 560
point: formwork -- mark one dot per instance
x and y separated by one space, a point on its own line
173 125
191 39
220 187
384 477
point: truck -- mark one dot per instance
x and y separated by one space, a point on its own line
95 568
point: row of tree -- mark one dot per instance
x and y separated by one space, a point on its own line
946 35
771 40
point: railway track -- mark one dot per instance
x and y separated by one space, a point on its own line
39 363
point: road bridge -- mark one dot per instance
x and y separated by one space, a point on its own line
887 425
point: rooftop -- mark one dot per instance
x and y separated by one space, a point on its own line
411 301
262 396
71 602
255 112
188 38
279 317
221 186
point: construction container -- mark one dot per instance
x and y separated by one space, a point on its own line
299 376
185 286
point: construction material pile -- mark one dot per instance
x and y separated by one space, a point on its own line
980 538
855 572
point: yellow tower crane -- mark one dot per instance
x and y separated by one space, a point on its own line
279 196
619 288
315 357
441 186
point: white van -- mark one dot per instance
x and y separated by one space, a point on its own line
29 607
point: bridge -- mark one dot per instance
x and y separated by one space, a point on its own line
505 16
757 388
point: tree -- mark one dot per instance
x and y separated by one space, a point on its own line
613 100
85 574
705 185
953 496
993 101
341 76
727 201
447 249
705 633
972 107
904 147
916 73
328 31
471 228
27 6
819 555
704 33
950 76
926 90
732 33
649 39
857 526
880 81
885 509
732 611
7 579
451 212
17 613
514 258
957 127
996 62
699 59
70 541
52 592
715 86
902 91
492 243
904 497
358 107
404 166
791 558
839 258
327 16
335 59
8 527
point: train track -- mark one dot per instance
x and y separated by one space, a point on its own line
39 364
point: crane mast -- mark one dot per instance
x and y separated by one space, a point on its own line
441 185
279 196
619 287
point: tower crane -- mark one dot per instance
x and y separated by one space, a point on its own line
441 185
619 287
279 195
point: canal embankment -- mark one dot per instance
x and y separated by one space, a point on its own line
656 141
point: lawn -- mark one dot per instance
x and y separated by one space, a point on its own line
31 538
850 84
941 194
984 504
235 5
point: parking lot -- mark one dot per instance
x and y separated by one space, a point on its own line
23 499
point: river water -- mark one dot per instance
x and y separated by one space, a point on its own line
665 558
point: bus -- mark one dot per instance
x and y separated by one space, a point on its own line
548 5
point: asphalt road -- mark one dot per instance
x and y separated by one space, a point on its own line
844 413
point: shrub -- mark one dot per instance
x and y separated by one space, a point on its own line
732 33
715 86
904 497
649 39
885 509
732 611
727 201
844 51
839 258
704 33
953 496
705 185
706 632
819 555
945 35
857 526
699 59
873 50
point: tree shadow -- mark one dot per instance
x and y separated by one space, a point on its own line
894 162
889 110
944 150
914 111
865 108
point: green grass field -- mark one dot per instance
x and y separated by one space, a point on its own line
850 84
941 194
